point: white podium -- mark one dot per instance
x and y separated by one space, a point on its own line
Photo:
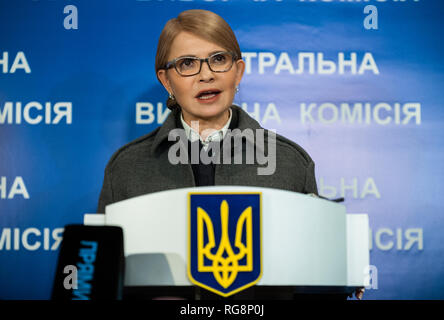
306 241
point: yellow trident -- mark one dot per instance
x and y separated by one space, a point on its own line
225 268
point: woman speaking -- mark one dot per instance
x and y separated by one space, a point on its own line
199 63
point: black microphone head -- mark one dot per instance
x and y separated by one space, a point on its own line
91 264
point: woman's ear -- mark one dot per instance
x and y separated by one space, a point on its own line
162 75
240 70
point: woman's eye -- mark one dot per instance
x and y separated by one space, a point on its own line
219 58
186 64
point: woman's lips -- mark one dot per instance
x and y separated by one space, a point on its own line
208 97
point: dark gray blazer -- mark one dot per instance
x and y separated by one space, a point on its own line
142 166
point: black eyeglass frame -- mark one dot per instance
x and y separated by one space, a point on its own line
172 63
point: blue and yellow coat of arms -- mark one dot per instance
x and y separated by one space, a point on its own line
224 241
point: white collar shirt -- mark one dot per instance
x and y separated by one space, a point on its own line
215 136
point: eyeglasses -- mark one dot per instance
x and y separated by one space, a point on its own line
190 66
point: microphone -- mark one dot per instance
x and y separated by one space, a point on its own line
91 264
318 196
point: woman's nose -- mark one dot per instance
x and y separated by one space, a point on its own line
206 75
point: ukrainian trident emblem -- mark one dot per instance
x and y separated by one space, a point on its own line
224 242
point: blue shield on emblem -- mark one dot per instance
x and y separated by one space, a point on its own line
224 241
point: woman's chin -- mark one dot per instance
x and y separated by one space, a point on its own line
210 112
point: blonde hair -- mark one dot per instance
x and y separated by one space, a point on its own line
203 24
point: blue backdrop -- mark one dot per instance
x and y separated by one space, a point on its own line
365 103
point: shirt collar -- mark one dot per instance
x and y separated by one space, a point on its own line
241 120
217 135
